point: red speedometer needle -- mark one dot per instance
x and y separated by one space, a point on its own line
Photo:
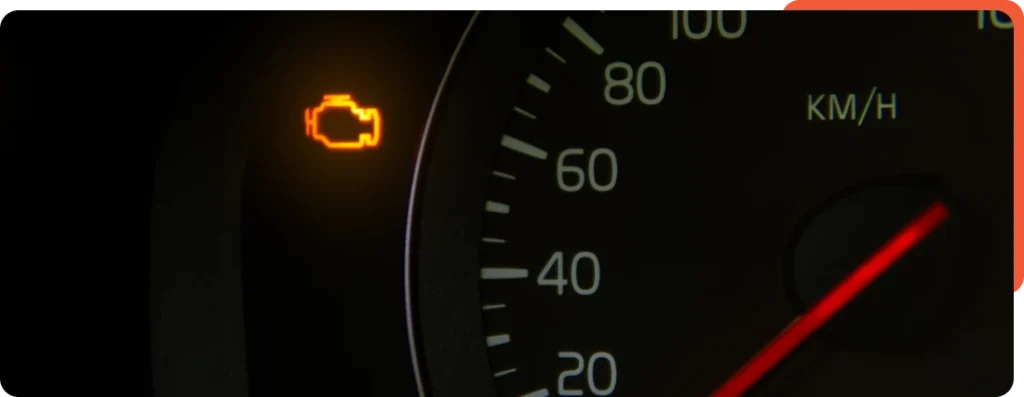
803 326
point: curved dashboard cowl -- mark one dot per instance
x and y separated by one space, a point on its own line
196 297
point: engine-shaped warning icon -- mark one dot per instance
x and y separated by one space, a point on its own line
369 116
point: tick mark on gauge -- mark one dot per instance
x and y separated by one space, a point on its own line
496 207
524 113
495 306
538 83
576 30
500 174
523 147
492 240
538 393
498 340
554 54
503 273
503 373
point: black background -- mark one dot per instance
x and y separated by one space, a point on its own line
84 98
87 101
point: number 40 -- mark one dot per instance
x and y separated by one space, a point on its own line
557 263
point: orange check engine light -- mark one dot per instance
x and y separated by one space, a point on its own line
344 101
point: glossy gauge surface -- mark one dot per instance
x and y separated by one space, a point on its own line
634 203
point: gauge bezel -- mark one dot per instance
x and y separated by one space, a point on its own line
445 219
442 280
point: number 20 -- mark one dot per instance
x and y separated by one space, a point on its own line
613 374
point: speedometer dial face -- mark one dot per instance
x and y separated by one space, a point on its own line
718 203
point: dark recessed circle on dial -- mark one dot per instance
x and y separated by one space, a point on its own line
898 311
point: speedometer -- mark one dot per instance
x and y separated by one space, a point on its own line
726 203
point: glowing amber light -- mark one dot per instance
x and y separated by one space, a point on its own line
343 101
